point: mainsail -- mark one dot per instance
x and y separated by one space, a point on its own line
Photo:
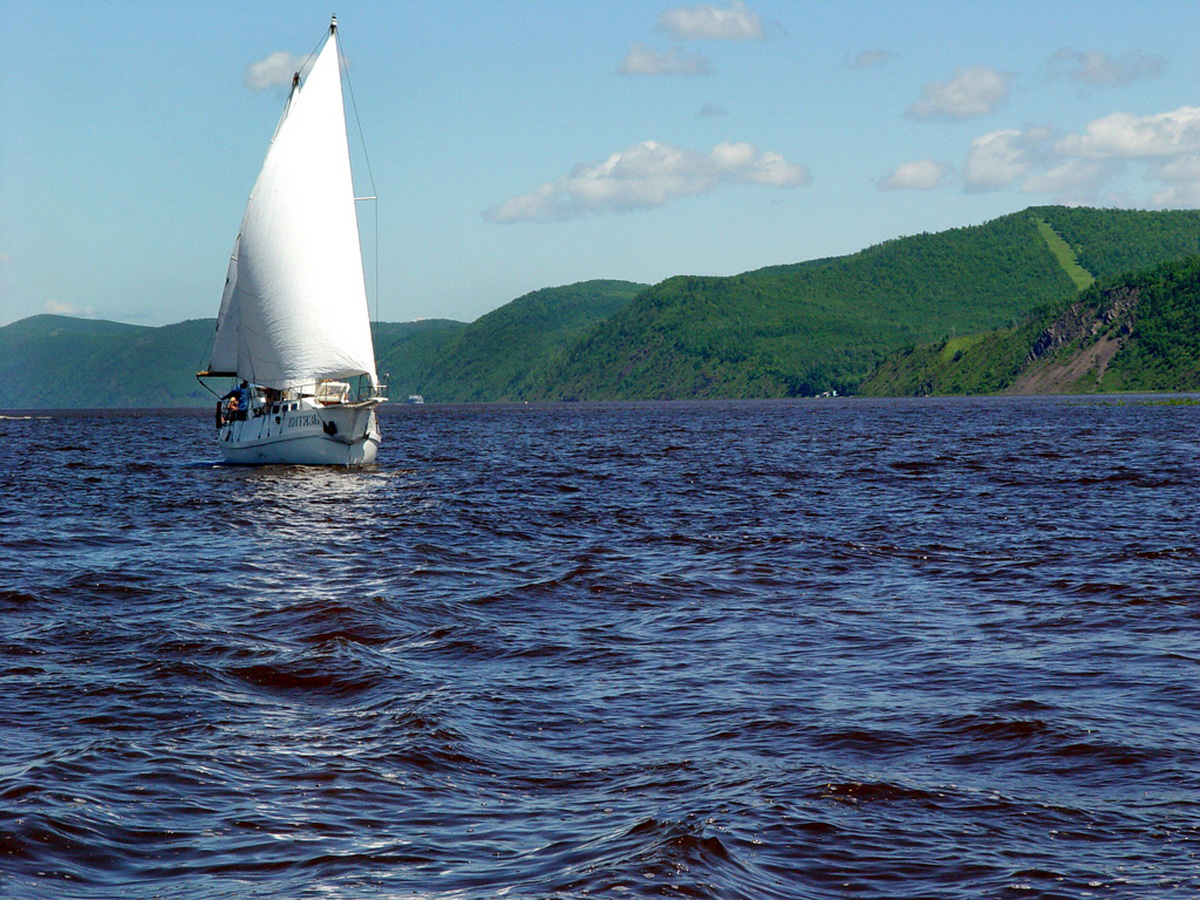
294 310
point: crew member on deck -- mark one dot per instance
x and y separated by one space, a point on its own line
239 401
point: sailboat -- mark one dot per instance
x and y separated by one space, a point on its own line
293 326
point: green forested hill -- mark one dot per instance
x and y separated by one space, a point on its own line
1111 241
807 328
405 352
1134 332
1160 334
501 355
62 362
804 329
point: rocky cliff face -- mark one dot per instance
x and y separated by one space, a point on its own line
1082 321
1089 326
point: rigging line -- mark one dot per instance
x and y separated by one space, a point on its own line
307 64
362 142
377 261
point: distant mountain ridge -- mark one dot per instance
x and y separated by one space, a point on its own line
879 318
60 362
803 329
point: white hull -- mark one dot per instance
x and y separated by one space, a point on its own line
303 433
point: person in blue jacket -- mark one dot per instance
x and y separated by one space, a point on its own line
240 401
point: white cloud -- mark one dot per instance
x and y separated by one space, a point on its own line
1001 158
1083 167
972 92
643 60
1167 143
60 308
276 69
1074 177
920 175
1097 69
1181 168
1178 196
645 176
1126 136
868 58
706 22
742 162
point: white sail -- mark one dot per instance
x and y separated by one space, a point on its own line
224 356
295 305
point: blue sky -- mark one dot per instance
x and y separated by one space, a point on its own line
517 144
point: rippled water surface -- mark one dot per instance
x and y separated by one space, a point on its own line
745 650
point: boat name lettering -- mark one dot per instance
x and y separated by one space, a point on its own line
302 421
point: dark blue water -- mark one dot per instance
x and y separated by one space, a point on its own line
745 650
